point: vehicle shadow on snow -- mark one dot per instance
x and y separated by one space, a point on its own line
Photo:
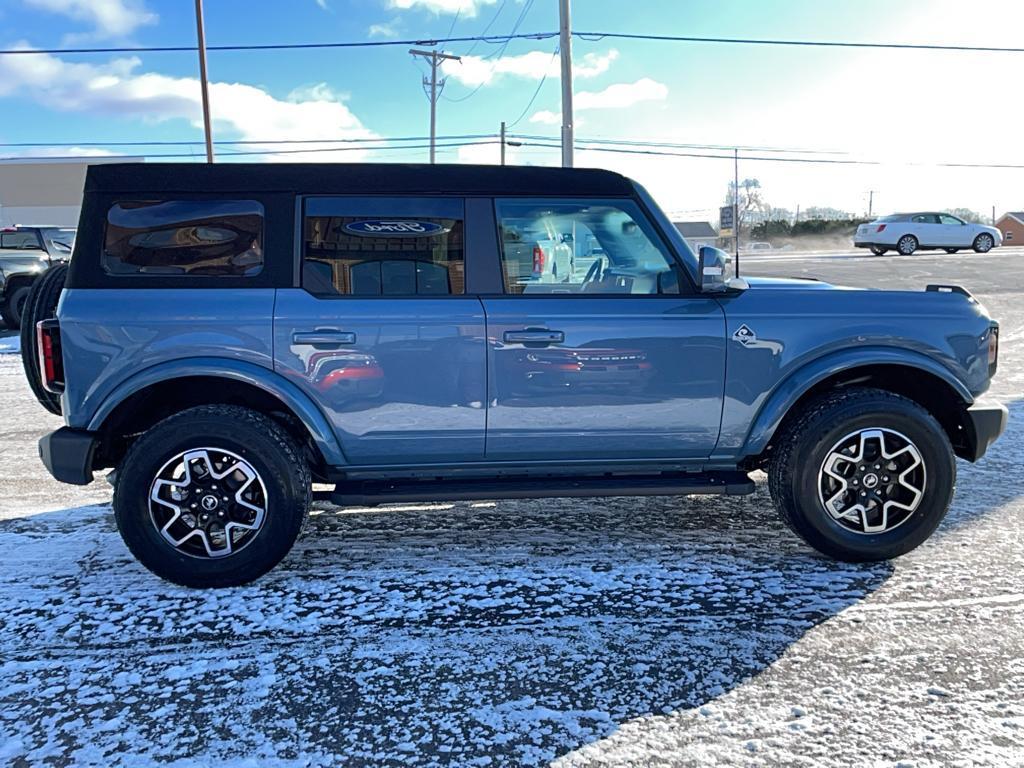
440 634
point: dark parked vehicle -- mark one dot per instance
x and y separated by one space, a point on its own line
229 334
25 253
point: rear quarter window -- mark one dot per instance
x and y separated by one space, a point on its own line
397 247
181 238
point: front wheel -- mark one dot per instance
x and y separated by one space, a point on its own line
906 245
213 496
863 475
984 243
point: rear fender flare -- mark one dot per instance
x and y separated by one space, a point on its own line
273 383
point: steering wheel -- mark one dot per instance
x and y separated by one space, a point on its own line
594 273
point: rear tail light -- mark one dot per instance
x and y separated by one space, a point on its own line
538 260
881 228
993 351
51 358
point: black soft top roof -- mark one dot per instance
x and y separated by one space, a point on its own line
354 178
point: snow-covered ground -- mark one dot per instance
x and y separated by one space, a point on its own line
591 632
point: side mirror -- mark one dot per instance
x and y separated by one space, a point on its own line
713 268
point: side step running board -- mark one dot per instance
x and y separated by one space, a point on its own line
369 492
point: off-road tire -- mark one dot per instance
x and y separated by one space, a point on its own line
41 304
804 442
14 305
256 438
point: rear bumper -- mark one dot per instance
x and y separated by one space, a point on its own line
987 420
68 454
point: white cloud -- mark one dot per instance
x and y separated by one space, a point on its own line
546 117
621 95
616 96
465 8
109 18
475 70
240 111
323 4
384 29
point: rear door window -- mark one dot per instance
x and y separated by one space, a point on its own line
210 238
397 247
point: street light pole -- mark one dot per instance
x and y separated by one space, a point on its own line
203 80
565 48
502 142
435 90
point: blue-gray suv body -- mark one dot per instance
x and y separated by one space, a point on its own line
229 335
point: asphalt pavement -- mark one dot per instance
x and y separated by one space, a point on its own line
584 632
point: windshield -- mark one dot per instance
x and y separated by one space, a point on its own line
59 239
669 230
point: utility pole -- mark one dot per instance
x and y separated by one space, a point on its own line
203 81
871 202
993 215
736 204
502 142
435 90
565 48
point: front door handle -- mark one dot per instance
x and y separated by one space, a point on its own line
323 338
534 336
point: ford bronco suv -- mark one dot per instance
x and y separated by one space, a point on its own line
229 335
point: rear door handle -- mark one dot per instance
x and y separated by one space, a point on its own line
325 338
534 336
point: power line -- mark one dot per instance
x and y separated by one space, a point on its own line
536 92
503 39
227 142
539 141
422 41
731 156
487 28
496 55
677 145
311 150
595 36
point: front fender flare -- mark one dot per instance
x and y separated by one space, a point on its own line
273 383
794 386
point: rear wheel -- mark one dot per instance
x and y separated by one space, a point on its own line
906 245
14 306
40 304
863 474
214 496
878 250
984 243
951 250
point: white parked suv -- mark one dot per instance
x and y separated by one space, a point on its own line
909 232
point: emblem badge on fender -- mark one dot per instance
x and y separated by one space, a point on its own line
744 335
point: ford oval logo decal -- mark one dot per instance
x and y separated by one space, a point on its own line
394 228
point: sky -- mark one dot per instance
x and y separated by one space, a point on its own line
904 111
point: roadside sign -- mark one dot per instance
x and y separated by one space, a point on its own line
725 221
